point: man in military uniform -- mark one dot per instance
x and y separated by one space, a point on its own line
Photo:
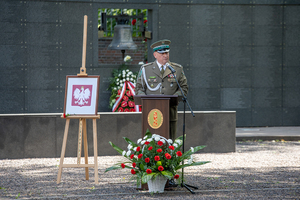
156 78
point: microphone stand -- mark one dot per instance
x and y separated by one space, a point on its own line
185 101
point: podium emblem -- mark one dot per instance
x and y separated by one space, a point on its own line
155 118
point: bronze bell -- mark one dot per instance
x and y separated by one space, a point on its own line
122 38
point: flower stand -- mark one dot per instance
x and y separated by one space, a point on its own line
157 185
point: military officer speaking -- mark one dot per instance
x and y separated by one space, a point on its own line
156 78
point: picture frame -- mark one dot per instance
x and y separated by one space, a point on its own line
81 95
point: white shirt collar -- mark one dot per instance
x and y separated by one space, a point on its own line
159 65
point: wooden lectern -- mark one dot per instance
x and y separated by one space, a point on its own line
156 113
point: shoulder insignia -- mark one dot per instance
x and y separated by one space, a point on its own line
145 65
176 64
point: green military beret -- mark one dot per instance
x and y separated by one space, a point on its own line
161 46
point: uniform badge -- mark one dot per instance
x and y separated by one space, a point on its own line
171 85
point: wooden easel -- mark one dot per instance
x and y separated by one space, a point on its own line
82 129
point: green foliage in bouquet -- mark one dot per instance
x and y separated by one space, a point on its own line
119 76
155 155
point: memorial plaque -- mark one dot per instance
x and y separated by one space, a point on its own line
237 15
42 101
206 57
42 12
175 15
11 33
177 36
42 78
13 101
236 56
291 77
267 36
291 97
267 15
42 56
205 77
41 34
12 11
267 77
291 56
12 55
267 57
70 12
292 15
266 98
205 15
236 77
12 79
291 35
237 35
269 116
206 36
205 98
234 98
291 116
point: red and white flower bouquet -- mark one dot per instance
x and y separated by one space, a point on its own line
155 155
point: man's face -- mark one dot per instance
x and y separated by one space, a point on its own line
162 58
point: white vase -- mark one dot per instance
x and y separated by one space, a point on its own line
157 185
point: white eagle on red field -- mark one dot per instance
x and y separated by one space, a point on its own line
81 97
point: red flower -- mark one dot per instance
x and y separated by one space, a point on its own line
145 39
160 168
150 148
156 158
138 148
134 165
160 143
176 176
124 103
119 92
123 165
140 156
131 104
132 156
168 156
179 153
133 22
126 110
128 93
145 21
146 143
64 115
133 171
125 98
171 147
132 110
149 171
140 108
147 160
159 150
120 109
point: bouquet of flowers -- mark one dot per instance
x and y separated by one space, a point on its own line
155 155
122 90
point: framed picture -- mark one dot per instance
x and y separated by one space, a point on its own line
81 95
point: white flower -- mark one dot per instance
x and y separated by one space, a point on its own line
127 79
141 63
175 145
134 148
123 72
121 84
128 153
124 80
190 161
119 75
123 75
143 142
129 146
127 70
117 80
170 141
192 149
145 137
139 140
163 141
154 135
123 153
129 73
149 140
131 79
157 138
118 83
178 142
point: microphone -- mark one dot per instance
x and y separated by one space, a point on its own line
171 68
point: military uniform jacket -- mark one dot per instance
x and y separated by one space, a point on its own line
150 81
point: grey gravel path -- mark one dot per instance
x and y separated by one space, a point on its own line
257 170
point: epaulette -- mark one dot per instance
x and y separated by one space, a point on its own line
176 64
145 65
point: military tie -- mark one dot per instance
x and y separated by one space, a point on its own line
162 71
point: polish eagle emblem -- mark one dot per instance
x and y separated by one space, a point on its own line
81 96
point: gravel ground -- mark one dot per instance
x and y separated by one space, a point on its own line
257 170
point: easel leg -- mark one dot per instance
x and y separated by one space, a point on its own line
95 150
85 144
63 151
